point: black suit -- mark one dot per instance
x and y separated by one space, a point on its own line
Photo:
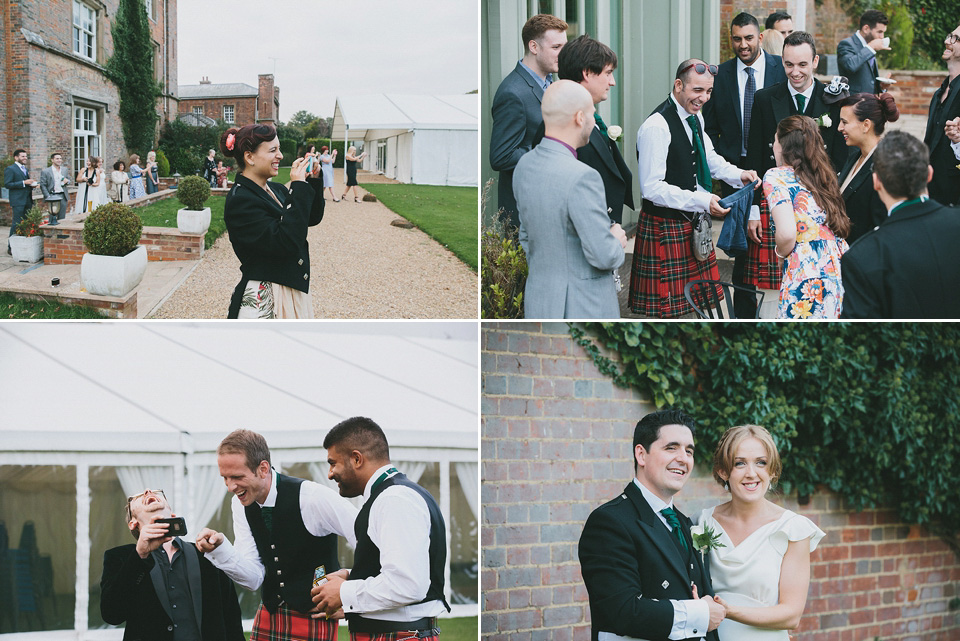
632 565
864 206
132 591
906 268
945 186
604 155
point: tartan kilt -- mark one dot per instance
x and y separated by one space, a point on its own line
289 625
391 636
662 264
763 267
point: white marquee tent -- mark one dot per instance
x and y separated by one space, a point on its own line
420 139
151 401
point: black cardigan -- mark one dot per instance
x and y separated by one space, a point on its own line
864 206
269 240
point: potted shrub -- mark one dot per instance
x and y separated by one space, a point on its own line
194 218
115 262
27 245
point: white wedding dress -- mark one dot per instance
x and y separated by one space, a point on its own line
748 575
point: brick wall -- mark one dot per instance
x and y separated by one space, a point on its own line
555 444
63 244
245 108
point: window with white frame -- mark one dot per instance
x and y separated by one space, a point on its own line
198 110
228 114
84 30
151 9
86 135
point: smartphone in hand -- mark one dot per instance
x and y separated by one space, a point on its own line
178 526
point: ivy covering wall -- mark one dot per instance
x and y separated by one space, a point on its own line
870 410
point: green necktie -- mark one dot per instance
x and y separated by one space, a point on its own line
267 513
801 102
703 170
602 125
674 522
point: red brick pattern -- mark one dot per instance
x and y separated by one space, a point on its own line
555 444
106 305
245 108
63 244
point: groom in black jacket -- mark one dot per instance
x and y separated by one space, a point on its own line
644 577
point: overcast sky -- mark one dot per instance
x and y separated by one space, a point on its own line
329 47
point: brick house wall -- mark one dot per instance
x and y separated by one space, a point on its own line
556 443
245 107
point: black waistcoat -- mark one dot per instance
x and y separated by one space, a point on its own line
290 553
366 558
681 168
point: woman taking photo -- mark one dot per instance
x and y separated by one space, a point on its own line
862 119
351 170
268 224
326 168
762 572
810 223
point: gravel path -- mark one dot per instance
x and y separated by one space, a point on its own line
361 267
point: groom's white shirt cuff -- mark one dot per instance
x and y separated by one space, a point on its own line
690 617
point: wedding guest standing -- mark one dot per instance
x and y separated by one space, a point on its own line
907 267
516 105
772 42
326 169
862 120
811 223
151 173
119 182
780 21
210 168
676 166
268 224
727 117
136 178
945 107
53 183
16 178
94 192
857 55
351 159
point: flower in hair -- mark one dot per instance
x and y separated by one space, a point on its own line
230 140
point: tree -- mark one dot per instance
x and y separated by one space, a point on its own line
301 119
130 68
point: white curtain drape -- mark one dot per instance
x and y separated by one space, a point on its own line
467 474
413 469
208 491
136 479
318 473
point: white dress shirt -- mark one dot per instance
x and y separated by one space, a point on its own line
400 528
956 149
323 512
759 67
691 617
653 143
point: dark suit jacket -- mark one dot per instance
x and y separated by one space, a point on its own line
773 104
604 155
906 268
21 196
270 240
721 114
632 567
864 206
945 186
132 591
853 61
516 115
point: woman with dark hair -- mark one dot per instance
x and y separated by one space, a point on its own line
136 178
267 224
862 119
119 181
810 221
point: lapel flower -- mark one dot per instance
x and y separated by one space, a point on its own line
614 132
705 539
825 121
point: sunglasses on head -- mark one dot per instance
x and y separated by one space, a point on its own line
700 68
131 499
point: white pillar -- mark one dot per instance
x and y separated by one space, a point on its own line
82 584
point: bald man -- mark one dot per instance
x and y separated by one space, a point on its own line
571 245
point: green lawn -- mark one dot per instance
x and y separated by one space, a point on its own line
13 307
447 214
456 629
163 213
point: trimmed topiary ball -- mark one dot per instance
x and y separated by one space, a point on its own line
112 230
193 191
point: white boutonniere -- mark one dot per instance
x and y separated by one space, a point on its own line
705 539
614 132
825 121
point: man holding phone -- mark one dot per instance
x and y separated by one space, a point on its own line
185 597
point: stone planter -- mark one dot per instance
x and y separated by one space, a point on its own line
113 275
27 249
193 222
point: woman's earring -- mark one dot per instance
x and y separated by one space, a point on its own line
726 485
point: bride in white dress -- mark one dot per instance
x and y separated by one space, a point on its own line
762 573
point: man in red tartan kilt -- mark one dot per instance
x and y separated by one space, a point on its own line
676 164
395 590
285 528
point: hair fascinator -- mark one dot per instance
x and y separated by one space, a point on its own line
230 141
837 90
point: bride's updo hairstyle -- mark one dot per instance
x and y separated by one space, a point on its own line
878 110
724 457
236 141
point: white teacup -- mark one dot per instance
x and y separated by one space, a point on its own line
886 41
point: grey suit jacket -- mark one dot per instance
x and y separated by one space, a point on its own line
565 230
516 116
48 181
853 60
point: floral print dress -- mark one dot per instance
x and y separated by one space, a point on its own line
811 285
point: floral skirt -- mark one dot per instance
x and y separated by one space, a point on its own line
811 286
263 300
